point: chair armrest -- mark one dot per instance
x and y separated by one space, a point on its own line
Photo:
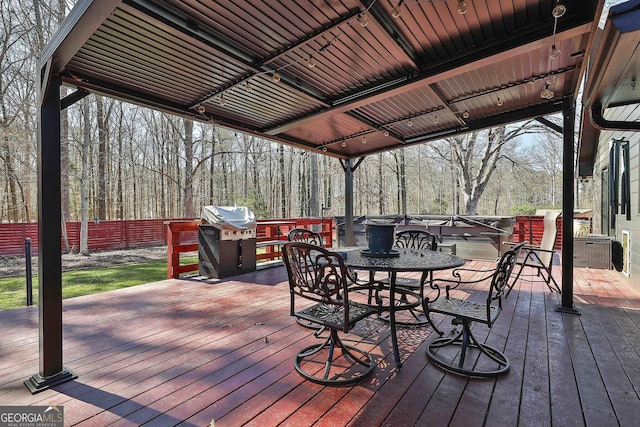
472 270
453 284
536 248
446 283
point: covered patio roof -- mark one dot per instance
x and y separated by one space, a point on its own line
344 78
387 74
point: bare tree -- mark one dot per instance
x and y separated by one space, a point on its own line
475 157
189 208
13 97
103 114
84 197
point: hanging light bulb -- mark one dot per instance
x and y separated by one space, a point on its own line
386 133
395 12
311 62
344 144
324 148
465 114
410 123
551 79
364 139
222 100
555 52
462 7
436 120
363 19
201 108
546 93
559 10
247 87
500 102
276 77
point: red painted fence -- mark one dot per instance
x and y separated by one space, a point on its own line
129 234
103 235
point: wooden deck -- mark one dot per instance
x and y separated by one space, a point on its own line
189 352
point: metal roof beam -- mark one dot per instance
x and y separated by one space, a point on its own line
548 123
391 28
463 64
72 98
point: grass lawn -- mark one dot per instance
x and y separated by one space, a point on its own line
83 282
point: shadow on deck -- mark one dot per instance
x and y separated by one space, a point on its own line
194 351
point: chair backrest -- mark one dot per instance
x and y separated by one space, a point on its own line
416 239
318 275
500 279
549 236
304 235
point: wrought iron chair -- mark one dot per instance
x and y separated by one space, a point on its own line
443 351
540 257
313 238
319 275
304 235
406 287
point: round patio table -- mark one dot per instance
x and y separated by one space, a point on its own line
407 260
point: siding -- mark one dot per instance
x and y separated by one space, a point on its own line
622 224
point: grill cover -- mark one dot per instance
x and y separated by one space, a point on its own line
235 222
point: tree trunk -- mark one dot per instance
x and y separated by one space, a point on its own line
189 209
313 184
402 188
102 118
380 186
84 198
212 168
283 184
120 155
225 178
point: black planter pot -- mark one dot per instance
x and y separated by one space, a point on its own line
380 237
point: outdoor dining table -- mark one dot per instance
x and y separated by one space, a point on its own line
401 260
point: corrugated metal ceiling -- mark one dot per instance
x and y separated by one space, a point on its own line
396 81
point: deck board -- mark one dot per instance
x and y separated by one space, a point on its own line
189 352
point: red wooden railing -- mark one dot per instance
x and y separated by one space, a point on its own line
179 243
127 234
530 229
270 236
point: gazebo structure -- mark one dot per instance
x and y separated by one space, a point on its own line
344 78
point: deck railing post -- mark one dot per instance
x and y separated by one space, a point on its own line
27 252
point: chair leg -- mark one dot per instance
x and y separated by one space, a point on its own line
325 376
515 280
466 340
425 309
548 279
417 317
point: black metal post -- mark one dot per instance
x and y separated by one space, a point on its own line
27 256
568 115
349 235
49 245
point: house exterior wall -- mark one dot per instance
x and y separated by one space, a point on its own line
631 226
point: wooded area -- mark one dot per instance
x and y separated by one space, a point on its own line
121 161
